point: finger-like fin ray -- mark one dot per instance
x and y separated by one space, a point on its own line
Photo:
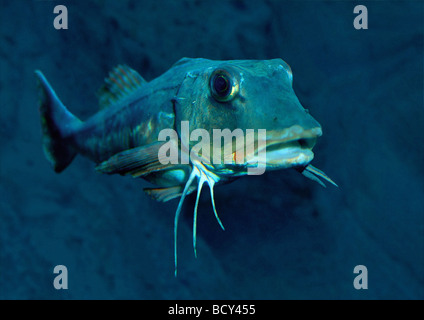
177 215
314 173
199 190
203 175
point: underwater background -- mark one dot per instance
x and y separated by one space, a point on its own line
286 237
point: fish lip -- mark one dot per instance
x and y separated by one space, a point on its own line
291 147
294 133
294 136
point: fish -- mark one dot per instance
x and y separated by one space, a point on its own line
195 97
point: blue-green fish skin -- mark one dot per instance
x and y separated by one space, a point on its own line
122 137
265 100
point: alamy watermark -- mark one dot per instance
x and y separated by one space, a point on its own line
60 282
61 20
361 20
249 148
361 280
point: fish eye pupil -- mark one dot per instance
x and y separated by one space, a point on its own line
221 85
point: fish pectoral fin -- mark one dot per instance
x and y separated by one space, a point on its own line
203 175
309 175
166 194
314 174
137 162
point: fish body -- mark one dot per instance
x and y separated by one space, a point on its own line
194 98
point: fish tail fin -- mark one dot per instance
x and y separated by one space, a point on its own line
58 125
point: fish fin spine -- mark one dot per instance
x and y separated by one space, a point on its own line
121 83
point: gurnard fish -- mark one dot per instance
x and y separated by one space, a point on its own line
123 136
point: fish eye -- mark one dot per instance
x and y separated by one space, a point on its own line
223 85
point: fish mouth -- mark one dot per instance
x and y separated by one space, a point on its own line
291 147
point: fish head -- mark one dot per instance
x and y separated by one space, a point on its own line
248 99
249 95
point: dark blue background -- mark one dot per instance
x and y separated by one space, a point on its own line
286 237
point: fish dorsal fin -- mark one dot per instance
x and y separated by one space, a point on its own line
121 83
